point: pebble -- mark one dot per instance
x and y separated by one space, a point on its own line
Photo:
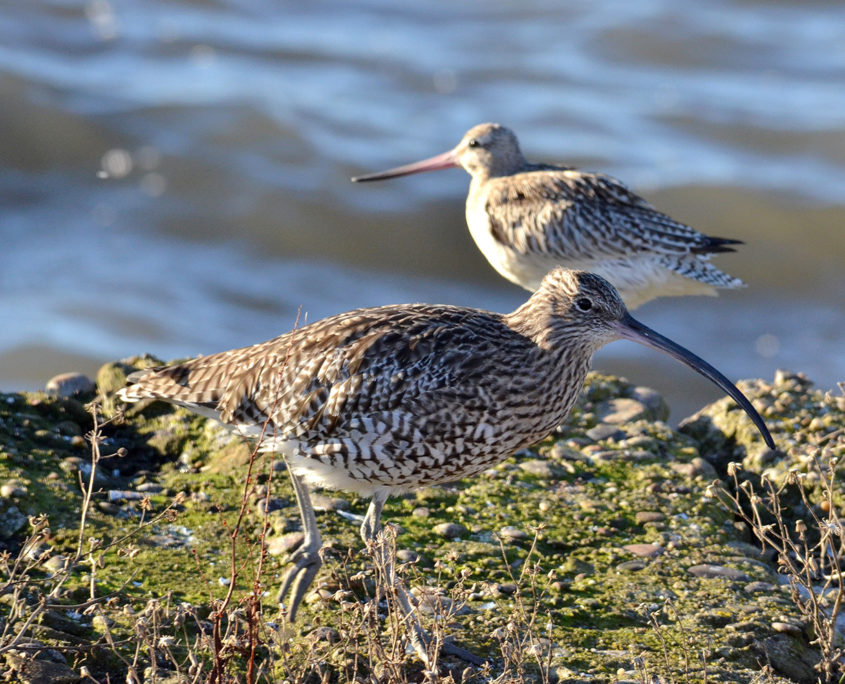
11 521
630 566
541 468
506 588
322 502
561 452
37 552
657 407
284 543
759 587
68 384
648 516
697 466
101 622
513 533
13 490
407 556
320 594
56 563
30 670
265 506
710 570
430 602
108 507
620 411
645 550
421 512
787 628
124 495
328 634
150 488
450 530
605 431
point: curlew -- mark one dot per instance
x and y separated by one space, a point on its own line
384 400
528 218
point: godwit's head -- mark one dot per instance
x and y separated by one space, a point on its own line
486 150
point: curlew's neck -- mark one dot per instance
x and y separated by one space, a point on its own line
539 321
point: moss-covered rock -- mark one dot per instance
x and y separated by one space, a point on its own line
590 543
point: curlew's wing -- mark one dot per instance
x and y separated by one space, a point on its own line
321 381
579 215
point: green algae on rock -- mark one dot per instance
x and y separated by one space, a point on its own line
591 506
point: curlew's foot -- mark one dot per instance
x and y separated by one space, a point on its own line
306 564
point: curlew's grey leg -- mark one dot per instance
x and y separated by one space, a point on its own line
420 639
306 560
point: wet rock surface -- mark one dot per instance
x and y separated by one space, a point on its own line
616 501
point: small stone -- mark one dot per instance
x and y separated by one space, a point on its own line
620 411
265 506
645 550
318 595
656 405
759 587
630 566
696 467
421 512
150 488
787 628
12 490
407 556
108 507
11 522
505 588
321 502
284 543
710 570
513 533
605 431
643 517
29 670
56 563
68 384
450 530
327 634
101 622
541 468
37 552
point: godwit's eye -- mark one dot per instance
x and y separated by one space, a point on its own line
583 304
473 142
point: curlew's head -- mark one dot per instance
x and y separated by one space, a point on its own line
583 310
486 150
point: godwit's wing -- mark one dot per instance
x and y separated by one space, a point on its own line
585 217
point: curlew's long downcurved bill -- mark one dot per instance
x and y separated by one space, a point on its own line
447 160
631 329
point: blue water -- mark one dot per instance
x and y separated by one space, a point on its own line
174 176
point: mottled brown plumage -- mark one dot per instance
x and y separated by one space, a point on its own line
528 218
388 399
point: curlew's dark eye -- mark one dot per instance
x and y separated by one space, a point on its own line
583 304
473 142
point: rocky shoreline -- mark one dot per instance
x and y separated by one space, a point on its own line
636 568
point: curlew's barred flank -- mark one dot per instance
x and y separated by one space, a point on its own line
388 399
528 218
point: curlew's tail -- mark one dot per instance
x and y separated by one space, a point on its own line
181 385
